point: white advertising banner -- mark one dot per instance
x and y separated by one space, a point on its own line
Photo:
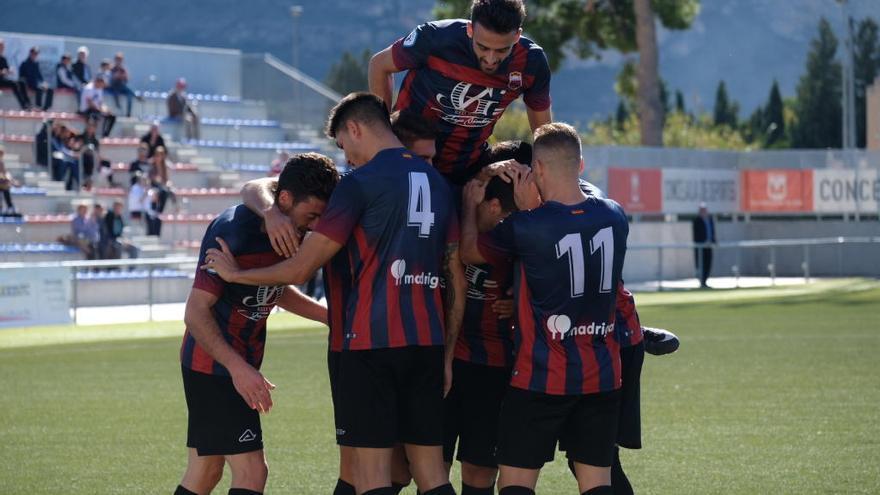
846 191
34 296
685 188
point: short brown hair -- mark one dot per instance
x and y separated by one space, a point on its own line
561 141
409 127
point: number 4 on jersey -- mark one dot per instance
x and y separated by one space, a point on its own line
571 244
419 213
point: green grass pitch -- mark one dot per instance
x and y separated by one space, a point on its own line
773 391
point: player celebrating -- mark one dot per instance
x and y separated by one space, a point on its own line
226 332
463 75
394 217
567 371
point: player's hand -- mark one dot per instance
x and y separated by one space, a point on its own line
525 191
447 376
503 308
474 192
253 387
221 261
281 231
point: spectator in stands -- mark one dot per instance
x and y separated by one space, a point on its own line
181 112
64 75
6 184
278 163
41 141
137 196
81 70
141 164
703 229
105 73
84 233
119 83
159 180
65 162
153 138
29 72
90 149
151 214
112 242
92 107
7 81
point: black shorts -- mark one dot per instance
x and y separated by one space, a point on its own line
389 396
220 421
333 369
471 412
531 423
629 425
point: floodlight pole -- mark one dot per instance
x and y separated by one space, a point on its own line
296 12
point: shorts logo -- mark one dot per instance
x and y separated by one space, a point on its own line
411 38
560 328
514 80
340 432
398 271
247 436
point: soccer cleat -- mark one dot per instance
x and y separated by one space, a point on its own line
659 341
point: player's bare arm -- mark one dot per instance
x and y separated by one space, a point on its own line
456 291
380 75
259 196
474 192
537 118
253 387
294 301
314 252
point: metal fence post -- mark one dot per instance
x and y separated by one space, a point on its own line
150 291
806 263
660 269
75 297
772 266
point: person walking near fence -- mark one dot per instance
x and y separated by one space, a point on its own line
704 233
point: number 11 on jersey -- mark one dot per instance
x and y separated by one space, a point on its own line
572 245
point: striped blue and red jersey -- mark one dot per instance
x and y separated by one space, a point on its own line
241 310
627 326
394 217
337 289
446 85
484 338
570 259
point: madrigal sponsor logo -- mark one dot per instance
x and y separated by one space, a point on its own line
398 271
560 328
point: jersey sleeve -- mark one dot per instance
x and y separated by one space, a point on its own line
343 212
412 51
206 280
625 309
499 243
537 95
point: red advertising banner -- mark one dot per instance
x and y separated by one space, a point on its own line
779 190
638 190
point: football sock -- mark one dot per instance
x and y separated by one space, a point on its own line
472 490
619 481
599 490
344 488
243 491
183 491
441 490
516 490
398 487
385 490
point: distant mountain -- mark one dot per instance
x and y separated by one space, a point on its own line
747 43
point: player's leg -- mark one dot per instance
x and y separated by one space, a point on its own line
400 475
249 472
629 427
529 426
420 379
345 482
202 474
592 433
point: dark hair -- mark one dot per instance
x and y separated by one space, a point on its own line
499 16
308 175
365 108
508 150
410 127
503 192
562 140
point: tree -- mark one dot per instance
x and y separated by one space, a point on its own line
513 125
818 95
679 131
585 28
773 121
621 115
725 110
866 63
679 102
350 73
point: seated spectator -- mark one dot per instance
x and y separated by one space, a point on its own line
64 75
159 180
29 72
181 112
137 197
7 81
6 183
141 164
151 214
81 70
278 163
90 150
84 233
92 107
119 83
112 242
41 142
105 73
153 138
65 162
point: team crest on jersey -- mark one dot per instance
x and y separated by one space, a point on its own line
514 80
410 40
267 297
478 282
464 108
